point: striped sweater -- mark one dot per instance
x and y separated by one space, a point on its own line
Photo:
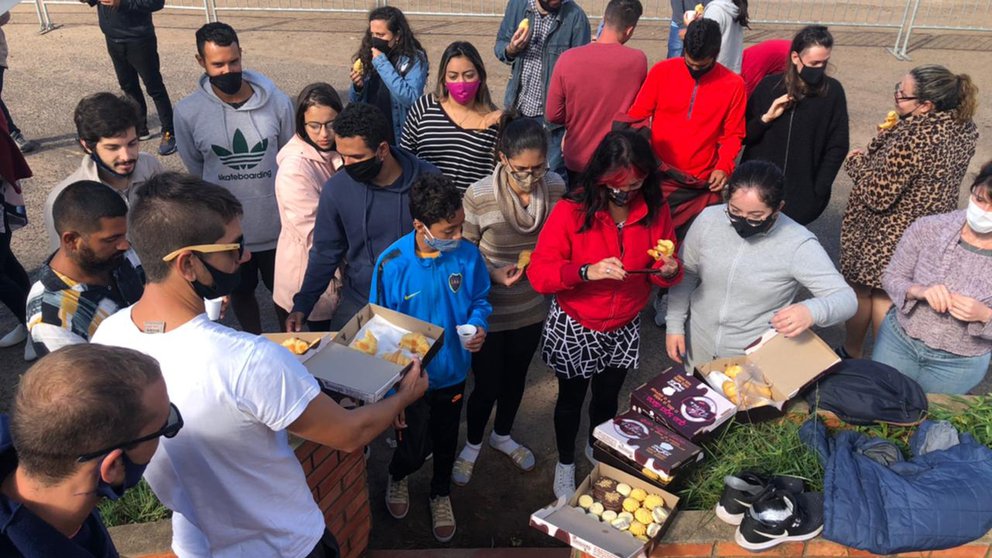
485 225
464 155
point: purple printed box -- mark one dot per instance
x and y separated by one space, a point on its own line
683 403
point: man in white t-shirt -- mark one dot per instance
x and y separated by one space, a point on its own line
232 481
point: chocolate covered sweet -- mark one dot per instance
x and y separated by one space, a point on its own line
613 501
602 486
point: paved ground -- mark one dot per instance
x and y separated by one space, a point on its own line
48 74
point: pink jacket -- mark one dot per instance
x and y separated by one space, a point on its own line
303 170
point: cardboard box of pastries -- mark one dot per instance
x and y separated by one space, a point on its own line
303 344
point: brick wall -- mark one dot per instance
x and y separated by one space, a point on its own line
338 483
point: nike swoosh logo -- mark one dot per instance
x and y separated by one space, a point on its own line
411 295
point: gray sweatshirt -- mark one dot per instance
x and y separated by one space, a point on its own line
732 34
732 285
236 148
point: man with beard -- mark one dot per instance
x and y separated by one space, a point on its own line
531 50
106 126
89 277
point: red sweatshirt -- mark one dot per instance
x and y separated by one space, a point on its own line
695 127
607 304
590 87
764 59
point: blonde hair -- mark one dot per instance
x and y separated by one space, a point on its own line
946 90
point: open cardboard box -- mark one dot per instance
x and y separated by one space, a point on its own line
788 364
603 454
575 528
361 376
322 337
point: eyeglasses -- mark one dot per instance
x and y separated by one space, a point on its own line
897 93
738 218
209 249
172 426
316 127
537 173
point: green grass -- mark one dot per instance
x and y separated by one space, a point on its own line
138 505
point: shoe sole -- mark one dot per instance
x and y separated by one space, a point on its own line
756 547
390 510
727 517
446 539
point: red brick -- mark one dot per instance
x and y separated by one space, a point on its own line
683 550
330 496
823 549
966 551
324 453
727 549
354 502
924 554
352 529
336 526
307 465
355 474
329 485
305 449
323 472
856 552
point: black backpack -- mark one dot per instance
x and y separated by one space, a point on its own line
864 392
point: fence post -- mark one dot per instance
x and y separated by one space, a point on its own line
43 18
903 54
902 30
210 11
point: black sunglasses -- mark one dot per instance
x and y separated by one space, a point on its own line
172 426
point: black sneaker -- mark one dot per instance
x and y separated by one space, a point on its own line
743 490
144 135
781 517
23 143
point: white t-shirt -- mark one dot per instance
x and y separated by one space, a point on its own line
234 485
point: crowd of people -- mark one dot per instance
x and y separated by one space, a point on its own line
425 203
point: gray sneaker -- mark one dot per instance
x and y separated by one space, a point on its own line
23 143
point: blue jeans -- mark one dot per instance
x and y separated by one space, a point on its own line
556 161
936 371
674 41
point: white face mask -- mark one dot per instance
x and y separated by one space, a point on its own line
979 220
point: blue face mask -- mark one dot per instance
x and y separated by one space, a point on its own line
132 476
441 244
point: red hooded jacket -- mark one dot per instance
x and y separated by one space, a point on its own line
607 304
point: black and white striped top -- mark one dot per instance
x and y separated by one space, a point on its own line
463 155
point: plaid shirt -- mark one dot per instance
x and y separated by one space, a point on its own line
530 99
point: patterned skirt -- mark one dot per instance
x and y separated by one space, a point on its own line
575 351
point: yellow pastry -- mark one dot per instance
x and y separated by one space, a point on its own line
623 489
585 501
699 9
596 509
368 344
625 515
650 474
415 343
523 260
643 515
642 538
296 345
357 66
891 119
638 494
732 371
630 505
525 24
653 501
638 529
666 247
397 357
608 516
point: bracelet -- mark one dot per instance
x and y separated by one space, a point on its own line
674 273
584 272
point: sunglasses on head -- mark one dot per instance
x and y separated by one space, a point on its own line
172 426
238 245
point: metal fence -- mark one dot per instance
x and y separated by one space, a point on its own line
902 16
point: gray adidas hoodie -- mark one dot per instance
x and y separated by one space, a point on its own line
236 148
724 12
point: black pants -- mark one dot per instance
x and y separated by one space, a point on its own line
568 408
140 58
327 547
14 283
261 263
500 370
11 127
282 314
432 426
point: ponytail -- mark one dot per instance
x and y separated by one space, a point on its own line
968 98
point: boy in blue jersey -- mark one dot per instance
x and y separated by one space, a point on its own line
433 276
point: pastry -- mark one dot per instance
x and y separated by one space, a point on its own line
638 494
730 390
621 523
357 66
626 515
659 514
732 371
650 474
608 516
613 501
368 344
623 489
602 486
523 260
296 345
585 501
397 357
643 515
653 501
415 343
642 538
593 516
663 248
891 119
653 529
525 24
630 505
638 528
596 509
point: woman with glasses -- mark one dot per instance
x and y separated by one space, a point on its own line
909 170
798 120
305 164
744 263
939 330
504 213
455 127
593 256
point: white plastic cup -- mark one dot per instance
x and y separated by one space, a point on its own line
465 333
213 307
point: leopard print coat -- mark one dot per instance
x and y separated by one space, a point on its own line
910 171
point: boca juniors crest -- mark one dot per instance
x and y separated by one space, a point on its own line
455 282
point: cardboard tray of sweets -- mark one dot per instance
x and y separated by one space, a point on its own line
322 337
647 444
361 376
575 528
788 364
603 454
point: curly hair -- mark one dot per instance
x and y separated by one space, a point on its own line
702 39
365 120
433 198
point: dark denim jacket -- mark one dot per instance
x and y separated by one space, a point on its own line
570 30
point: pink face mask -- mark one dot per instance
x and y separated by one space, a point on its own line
462 91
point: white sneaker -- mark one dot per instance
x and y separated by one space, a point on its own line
16 335
564 480
397 498
442 519
29 353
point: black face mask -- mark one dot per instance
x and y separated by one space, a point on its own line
224 283
698 74
547 8
364 171
109 169
620 197
132 476
382 45
747 230
812 76
229 84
